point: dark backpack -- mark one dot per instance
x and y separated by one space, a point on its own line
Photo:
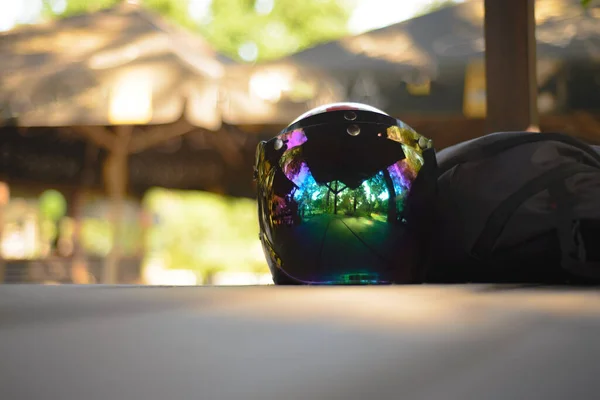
518 207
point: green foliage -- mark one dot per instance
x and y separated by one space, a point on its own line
588 3
204 232
53 205
290 26
371 199
176 11
269 29
76 7
96 236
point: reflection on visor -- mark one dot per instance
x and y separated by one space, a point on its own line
343 235
371 199
294 138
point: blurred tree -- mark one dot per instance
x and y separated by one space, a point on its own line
267 29
204 232
54 8
587 3
248 30
176 11
52 207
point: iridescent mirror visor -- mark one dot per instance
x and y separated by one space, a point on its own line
334 202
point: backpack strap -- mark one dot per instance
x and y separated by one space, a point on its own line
484 246
568 227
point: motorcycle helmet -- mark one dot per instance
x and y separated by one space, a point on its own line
346 196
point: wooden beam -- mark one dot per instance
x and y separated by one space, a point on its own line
230 150
510 59
98 135
156 135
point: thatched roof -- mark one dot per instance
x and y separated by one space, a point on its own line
118 65
377 66
564 29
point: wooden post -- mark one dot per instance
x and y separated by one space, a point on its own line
510 58
115 178
79 268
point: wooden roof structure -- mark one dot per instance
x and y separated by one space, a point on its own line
115 66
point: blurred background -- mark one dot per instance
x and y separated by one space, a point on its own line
128 128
